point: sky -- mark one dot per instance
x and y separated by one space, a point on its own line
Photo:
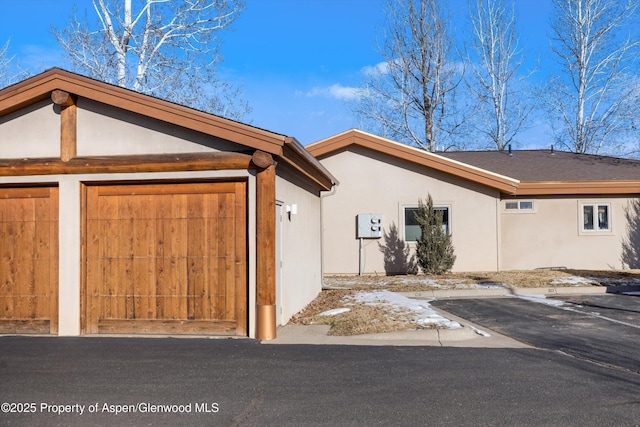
298 61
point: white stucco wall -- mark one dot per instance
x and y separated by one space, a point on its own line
31 132
301 276
551 235
375 183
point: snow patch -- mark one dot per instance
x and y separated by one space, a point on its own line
542 299
423 314
480 332
489 285
335 311
573 280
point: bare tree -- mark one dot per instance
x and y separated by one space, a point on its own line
411 96
163 48
4 64
9 72
495 60
592 102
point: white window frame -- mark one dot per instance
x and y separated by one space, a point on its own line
519 208
403 209
595 205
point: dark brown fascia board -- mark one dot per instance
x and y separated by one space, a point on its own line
550 188
330 145
295 155
40 87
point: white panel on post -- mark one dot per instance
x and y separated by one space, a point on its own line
369 226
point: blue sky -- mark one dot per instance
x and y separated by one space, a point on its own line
296 59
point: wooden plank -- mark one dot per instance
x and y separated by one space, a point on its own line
167 188
127 164
26 256
25 192
265 237
167 327
196 248
265 253
53 259
144 255
68 132
240 279
30 326
127 217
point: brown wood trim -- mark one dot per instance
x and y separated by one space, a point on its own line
241 282
265 242
133 326
154 188
123 164
68 123
54 259
296 156
84 204
578 187
40 327
62 98
261 159
354 137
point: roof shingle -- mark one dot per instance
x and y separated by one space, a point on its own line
544 166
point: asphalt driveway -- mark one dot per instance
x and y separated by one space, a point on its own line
603 329
227 382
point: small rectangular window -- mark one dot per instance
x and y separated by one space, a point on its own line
412 230
520 205
595 217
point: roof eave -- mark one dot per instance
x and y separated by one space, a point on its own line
542 188
343 140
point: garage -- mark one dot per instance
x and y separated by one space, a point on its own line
29 260
166 257
125 214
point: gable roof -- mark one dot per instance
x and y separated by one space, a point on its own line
288 149
530 172
354 137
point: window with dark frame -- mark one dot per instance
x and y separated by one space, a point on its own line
595 217
412 227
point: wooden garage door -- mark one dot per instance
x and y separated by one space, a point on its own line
166 258
29 260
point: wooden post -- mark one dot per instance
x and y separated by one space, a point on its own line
266 253
68 123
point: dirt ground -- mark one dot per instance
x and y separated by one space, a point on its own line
363 318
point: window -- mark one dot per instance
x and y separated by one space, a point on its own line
521 205
595 217
412 228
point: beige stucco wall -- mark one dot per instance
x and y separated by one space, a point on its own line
104 130
551 235
375 183
31 132
300 275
